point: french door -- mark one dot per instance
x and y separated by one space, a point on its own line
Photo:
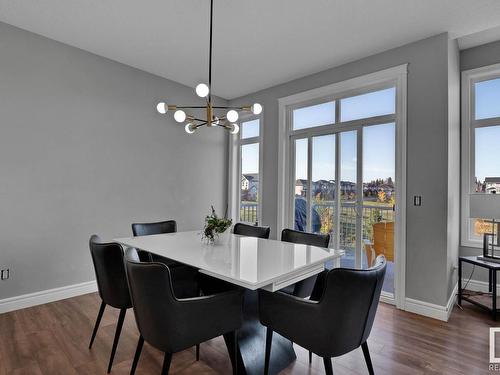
342 155
343 183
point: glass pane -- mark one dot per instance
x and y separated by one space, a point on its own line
487 166
301 196
249 197
348 173
323 184
487 99
250 129
379 167
372 104
316 115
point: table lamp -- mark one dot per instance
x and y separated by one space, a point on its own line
487 206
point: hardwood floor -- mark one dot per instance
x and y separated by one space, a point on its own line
53 339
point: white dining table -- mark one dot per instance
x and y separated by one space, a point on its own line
251 263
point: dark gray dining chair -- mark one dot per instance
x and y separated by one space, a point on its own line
111 283
304 288
171 324
184 277
339 314
148 229
251 230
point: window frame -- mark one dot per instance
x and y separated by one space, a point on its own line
335 128
350 87
468 155
235 174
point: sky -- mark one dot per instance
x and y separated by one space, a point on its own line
487 151
488 99
487 139
378 155
378 140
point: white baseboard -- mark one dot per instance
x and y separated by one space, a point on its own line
451 301
478 286
432 310
46 296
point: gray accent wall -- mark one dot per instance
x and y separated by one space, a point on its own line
430 273
472 58
83 151
477 57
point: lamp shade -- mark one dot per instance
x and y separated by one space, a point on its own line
485 206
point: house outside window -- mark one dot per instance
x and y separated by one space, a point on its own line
245 186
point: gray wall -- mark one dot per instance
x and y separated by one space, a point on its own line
472 58
427 276
476 57
82 151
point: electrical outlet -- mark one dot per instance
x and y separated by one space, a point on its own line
4 274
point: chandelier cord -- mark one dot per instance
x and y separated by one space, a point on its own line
210 53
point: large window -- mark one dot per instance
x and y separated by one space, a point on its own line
249 171
343 170
480 147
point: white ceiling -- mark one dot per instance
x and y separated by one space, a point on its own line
257 44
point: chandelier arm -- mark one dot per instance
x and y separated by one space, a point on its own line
224 107
191 107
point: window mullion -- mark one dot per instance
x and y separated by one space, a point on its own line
337 193
309 185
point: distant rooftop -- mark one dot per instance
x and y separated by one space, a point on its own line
492 180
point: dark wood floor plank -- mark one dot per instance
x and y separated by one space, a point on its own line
53 339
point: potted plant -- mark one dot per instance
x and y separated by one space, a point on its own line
216 228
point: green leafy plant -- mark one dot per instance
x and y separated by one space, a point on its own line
214 226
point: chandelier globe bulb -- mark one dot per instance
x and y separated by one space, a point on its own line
202 90
162 108
180 115
235 129
232 116
189 128
256 109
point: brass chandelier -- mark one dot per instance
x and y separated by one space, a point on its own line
227 121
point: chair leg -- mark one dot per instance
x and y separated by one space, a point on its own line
119 326
368 359
137 355
310 357
97 322
197 352
269 341
328 366
235 355
166 363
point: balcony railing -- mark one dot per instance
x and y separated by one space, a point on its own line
371 214
248 212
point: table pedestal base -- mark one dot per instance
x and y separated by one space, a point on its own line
252 343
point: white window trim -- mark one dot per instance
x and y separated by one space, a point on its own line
398 76
234 173
469 77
